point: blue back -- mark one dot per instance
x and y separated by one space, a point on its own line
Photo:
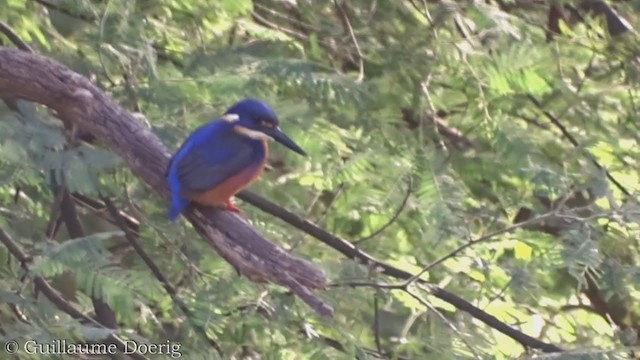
209 156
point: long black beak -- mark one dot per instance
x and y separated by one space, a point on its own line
283 139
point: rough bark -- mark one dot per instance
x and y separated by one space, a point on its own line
78 101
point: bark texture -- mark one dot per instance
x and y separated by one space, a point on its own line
79 102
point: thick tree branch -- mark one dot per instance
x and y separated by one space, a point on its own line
78 101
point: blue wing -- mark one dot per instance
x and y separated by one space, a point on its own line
209 156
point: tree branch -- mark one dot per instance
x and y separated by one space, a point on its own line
78 101
352 252
567 135
60 302
393 218
169 288
104 314
13 36
341 8
67 11
22 45
101 210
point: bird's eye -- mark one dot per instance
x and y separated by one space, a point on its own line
266 124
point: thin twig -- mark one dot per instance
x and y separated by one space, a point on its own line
405 284
100 43
395 216
69 215
61 303
305 25
452 326
54 217
98 208
346 248
376 321
483 238
13 36
567 135
162 235
347 22
405 288
169 288
264 22
64 10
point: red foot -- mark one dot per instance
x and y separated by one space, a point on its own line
230 207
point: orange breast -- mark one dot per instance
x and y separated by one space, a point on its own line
220 194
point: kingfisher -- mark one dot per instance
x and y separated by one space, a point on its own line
223 156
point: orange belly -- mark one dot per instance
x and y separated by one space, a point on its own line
221 194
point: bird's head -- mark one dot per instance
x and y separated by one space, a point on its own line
256 120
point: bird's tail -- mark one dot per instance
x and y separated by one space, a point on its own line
178 205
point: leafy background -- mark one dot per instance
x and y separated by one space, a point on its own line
494 143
